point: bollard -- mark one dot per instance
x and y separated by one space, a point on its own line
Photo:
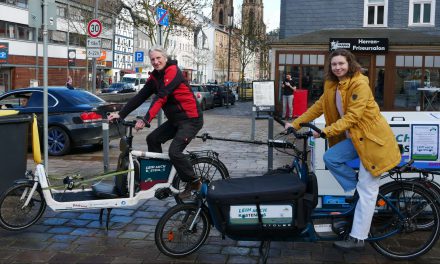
105 144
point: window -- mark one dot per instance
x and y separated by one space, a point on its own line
375 13
421 13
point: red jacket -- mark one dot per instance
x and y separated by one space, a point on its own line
173 95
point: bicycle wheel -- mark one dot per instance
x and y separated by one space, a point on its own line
182 230
12 214
402 208
207 169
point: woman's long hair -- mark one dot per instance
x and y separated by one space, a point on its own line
353 66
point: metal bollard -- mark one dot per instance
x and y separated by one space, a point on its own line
105 144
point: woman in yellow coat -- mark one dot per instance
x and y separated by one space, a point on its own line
354 128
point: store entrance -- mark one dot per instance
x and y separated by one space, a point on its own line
5 79
365 62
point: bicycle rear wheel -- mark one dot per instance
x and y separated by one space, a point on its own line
13 216
206 168
401 210
182 230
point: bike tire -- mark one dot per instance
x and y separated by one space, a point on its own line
402 238
173 236
12 216
206 168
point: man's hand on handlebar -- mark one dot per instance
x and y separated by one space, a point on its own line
113 116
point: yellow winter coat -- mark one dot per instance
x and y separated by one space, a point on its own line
370 133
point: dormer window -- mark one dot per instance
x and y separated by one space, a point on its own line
421 13
375 13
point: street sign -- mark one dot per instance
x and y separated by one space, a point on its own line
93 43
94 28
71 57
139 56
162 17
4 51
93 52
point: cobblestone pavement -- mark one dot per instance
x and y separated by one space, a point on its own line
78 237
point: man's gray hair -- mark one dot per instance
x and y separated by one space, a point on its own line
158 49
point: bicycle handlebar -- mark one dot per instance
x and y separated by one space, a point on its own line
300 135
132 123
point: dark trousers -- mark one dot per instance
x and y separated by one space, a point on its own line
182 132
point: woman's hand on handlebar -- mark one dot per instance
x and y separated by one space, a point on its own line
316 134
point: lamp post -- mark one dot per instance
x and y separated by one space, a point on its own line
230 25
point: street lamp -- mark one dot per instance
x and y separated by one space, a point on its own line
230 25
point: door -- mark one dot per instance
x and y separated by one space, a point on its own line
5 80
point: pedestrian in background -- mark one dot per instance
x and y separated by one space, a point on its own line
355 128
69 83
288 87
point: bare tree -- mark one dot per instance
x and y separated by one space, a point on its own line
143 14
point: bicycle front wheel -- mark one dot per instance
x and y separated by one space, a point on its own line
401 210
182 230
206 168
14 215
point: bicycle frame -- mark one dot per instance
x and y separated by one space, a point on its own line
40 178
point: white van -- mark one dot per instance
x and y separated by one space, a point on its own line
136 80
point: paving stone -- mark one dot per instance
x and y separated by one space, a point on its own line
235 251
84 232
133 235
242 259
211 258
77 223
34 256
61 230
55 221
64 238
61 246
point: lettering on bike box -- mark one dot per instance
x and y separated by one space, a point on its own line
265 207
153 171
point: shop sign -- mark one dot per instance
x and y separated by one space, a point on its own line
371 45
4 52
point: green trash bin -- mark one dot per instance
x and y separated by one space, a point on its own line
13 148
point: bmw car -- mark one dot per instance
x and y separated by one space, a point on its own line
75 116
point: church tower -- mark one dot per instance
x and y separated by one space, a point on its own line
220 11
252 17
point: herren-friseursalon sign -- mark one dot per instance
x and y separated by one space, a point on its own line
374 45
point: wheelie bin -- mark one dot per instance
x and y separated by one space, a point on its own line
13 147
299 102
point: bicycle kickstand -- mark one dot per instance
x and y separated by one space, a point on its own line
109 210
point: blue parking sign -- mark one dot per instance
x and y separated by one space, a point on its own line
139 56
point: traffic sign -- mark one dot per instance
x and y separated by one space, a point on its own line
93 42
139 56
93 52
162 16
94 28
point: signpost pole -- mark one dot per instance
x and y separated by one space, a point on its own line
45 84
159 38
94 59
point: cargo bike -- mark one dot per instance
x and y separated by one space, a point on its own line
282 206
140 176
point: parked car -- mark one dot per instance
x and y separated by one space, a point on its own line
119 87
75 116
219 93
203 96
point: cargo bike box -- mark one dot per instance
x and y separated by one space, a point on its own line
268 207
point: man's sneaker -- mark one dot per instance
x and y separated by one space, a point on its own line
189 188
350 243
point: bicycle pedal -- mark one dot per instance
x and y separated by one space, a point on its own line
162 193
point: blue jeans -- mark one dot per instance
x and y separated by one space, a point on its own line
335 159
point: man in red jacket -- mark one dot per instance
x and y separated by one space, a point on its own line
185 118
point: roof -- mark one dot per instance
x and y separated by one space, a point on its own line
395 36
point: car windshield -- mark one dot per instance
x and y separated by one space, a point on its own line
128 80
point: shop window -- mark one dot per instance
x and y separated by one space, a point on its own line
432 77
421 13
313 80
61 10
375 13
59 37
380 60
3 29
405 89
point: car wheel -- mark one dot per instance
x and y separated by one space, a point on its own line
58 141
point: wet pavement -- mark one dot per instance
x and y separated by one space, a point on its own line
78 236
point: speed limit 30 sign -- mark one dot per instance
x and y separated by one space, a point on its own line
94 28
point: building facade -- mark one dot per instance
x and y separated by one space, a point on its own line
66 45
396 42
